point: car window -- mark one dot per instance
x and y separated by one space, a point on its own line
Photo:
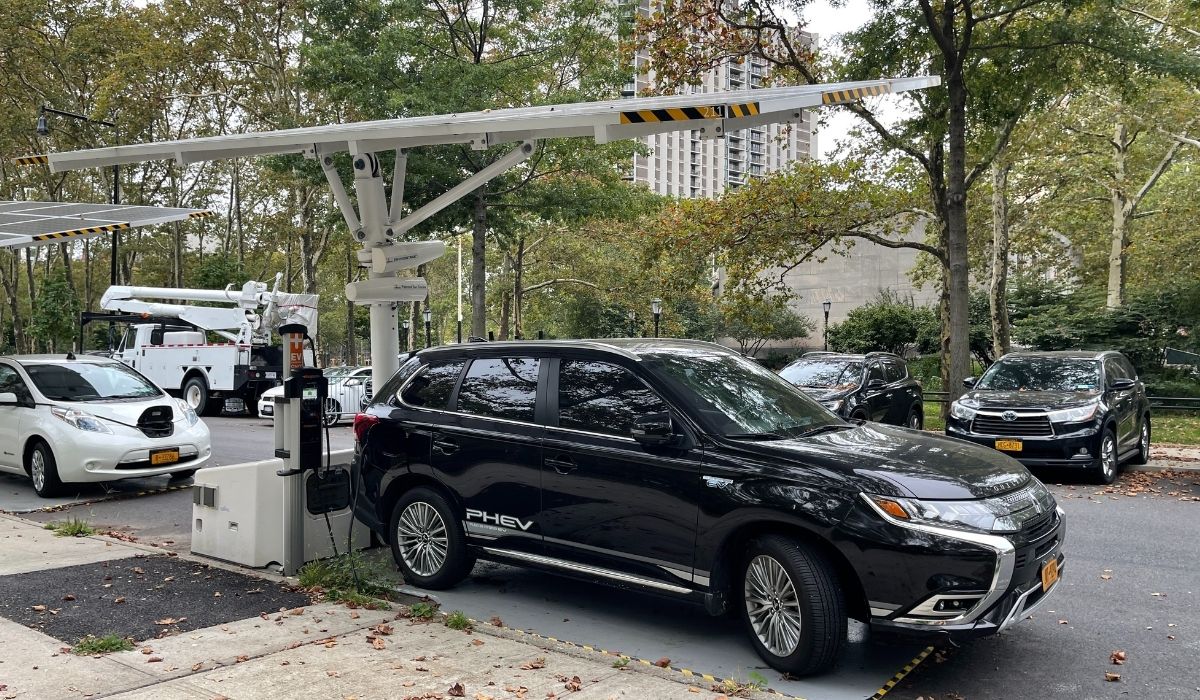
11 382
824 374
1128 366
86 381
875 371
894 371
602 398
1114 371
500 388
1042 373
432 387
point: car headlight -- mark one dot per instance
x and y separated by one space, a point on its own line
835 405
1007 513
962 411
188 413
1074 415
80 419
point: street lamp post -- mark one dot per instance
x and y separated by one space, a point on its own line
656 309
825 335
632 326
43 130
404 325
428 321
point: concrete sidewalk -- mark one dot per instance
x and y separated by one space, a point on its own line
319 650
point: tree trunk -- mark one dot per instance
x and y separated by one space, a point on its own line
958 327
1121 213
29 273
12 286
998 291
479 265
518 293
506 298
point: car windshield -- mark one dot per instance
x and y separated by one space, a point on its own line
338 372
1042 374
737 398
824 374
86 381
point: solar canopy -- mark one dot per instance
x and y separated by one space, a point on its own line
25 224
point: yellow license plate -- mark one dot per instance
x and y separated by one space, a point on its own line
164 457
1009 445
1049 574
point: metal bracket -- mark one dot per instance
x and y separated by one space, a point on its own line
340 196
466 187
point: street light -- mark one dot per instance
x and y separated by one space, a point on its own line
656 309
632 327
404 325
825 307
428 313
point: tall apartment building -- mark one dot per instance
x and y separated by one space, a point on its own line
681 164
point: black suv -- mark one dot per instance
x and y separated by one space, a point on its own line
1075 409
682 468
875 386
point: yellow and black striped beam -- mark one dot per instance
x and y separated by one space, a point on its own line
841 97
680 114
895 680
81 232
202 214
31 160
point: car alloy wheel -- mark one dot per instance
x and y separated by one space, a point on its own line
1108 458
37 470
1144 442
914 421
422 538
772 605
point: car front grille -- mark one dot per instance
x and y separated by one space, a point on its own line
1019 426
157 422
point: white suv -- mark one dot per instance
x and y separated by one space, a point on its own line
87 419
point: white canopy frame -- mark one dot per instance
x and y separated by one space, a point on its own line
375 223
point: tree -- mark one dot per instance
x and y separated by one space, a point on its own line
55 313
996 60
886 324
753 321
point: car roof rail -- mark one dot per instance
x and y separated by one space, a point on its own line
815 353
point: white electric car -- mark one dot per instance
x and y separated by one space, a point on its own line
86 419
346 385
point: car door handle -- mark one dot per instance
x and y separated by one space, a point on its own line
561 464
446 446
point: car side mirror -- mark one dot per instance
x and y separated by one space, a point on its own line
969 382
654 429
1122 384
354 381
8 398
876 384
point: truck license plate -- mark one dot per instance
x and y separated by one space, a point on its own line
1009 445
1049 574
158 457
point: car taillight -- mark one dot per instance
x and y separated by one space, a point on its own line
363 422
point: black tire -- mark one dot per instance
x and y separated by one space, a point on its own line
1105 472
819 604
333 413
43 470
916 418
1143 453
195 393
182 475
457 561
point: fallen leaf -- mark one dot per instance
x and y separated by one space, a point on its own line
68 597
354 615
1117 657
197 667
119 600
693 689
216 594
170 621
482 696
378 643
296 611
332 674
153 659
242 658
477 642
39 608
1106 577
663 662
1112 677
496 622
457 690
574 684
531 665
383 629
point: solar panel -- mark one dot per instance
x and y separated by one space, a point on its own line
24 224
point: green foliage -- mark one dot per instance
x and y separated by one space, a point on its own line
107 644
752 321
621 662
347 578
886 324
422 610
458 620
55 313
71 528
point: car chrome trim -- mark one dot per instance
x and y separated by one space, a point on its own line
1001 577
1019 611
587 569
927 608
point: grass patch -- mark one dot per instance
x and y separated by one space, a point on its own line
1178 427
621 662
91 645
933 416
71 528
458 620
347 578
737 689
422 611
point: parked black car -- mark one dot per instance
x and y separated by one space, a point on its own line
1082 410
681 468
875 386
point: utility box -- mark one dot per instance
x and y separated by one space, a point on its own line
238 513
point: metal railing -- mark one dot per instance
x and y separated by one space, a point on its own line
1159 403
